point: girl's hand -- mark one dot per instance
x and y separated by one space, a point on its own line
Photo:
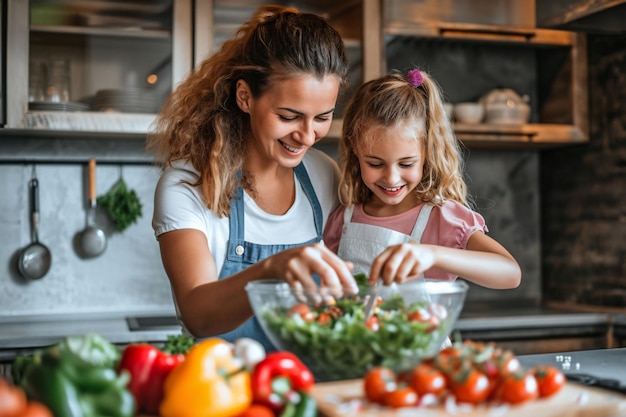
297 265
403 262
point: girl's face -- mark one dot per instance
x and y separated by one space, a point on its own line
289 118
391 167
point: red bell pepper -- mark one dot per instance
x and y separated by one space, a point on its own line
148 367
278 377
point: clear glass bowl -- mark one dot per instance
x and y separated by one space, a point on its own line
331 336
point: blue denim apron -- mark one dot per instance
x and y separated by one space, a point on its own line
241 254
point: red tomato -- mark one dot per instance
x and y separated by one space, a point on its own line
426 379
470 386
518 388
373 323
303 311
401 397
424 316
37 409
377 383
324 318
12 399
549 379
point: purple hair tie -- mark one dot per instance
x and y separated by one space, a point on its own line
415 78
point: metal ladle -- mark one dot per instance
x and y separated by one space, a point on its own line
35 259
93 240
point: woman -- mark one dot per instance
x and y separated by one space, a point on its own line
242 195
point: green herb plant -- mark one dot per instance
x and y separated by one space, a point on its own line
123 205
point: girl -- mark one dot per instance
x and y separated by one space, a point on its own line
406 211
243 196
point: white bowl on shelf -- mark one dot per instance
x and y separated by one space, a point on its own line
469 112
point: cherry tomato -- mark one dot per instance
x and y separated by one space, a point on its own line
401 397
12 399
470 386
549 379
518 387
373 323
324 318
37 409
424 316
426 379
303 311
377 383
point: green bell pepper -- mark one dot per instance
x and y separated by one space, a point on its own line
77 378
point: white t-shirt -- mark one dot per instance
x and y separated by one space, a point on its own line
178 205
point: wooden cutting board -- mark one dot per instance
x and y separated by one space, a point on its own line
345 399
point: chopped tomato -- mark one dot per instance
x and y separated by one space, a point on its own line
426 379
518 387
424 316
303 311
377 383
324 318
373 323
549 379
401 397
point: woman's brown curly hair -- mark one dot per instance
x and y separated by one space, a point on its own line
201 122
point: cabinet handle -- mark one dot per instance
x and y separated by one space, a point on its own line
485 32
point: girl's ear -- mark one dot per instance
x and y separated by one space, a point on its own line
243 96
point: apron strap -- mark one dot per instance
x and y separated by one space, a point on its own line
309 191
347 214
421 222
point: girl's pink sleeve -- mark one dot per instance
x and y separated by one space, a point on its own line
332 231
451 225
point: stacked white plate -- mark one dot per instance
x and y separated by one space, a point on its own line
57 106
128 100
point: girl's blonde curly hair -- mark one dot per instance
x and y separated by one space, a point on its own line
201 122
391 101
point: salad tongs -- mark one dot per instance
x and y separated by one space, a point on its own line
370 300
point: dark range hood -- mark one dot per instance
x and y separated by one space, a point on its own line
593 16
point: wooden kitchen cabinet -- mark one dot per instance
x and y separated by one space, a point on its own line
94 66
474 47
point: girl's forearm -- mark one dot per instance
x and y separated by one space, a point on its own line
488 269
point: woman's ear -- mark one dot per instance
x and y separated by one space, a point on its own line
243 96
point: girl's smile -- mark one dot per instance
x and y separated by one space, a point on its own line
391 167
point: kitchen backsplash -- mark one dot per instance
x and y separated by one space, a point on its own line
129 277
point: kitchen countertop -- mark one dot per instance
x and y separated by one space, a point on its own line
20 334
23 334
599 363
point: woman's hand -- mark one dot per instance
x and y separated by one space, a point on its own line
402 262
298 265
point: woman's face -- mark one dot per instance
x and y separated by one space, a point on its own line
290 117
392 166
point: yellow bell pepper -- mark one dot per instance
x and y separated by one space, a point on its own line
209 383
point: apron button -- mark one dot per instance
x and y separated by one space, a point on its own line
239 250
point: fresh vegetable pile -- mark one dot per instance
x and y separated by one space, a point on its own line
336 341
466 373
13 403
76 378
87 376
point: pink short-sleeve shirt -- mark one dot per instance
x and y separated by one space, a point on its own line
450 225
